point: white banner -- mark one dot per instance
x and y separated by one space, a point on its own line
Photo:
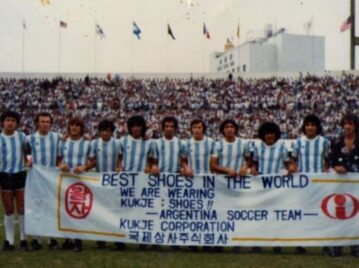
169 209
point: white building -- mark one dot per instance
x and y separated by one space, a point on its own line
281 52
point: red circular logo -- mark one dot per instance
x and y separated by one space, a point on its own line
78 200
340 206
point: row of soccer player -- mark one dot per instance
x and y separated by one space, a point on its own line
134 153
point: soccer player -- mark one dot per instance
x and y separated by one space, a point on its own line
231 151
45 151
135 152
270 156
135 149
12 177
168 150
311 151
104 155
199 150
345 158
75 152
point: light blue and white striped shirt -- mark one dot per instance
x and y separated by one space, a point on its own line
75 152
199 154
231 154
270 158
44 148
135 153
12 152
311 153
105 153
169 154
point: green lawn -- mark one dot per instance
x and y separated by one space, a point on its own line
133 257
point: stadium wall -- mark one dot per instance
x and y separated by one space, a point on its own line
174 75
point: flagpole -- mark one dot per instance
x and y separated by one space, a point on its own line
59 60
95 51
167 61
202 54
23 48
132 53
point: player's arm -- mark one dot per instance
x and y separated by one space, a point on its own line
185 168
119 163
244 168
221 169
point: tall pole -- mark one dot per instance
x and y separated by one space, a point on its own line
95 50
23 47
59 60
354 41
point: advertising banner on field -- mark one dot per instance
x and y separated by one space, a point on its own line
210 210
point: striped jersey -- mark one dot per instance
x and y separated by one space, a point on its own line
271 158
44 148
311 153
75 152
105 153
231 154
169 154
12 152
135 153
199 154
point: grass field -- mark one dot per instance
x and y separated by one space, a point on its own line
133 257
91 257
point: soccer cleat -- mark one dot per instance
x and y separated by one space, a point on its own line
236 250
256 250
176 248
6 246
24 245
119 246
193 249
68 244
300 250
100 244
77 245
143 247
35 245
278 250
53 244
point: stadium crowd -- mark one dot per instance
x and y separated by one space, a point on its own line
250 101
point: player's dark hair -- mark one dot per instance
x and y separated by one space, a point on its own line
137 120
43 114
312 118
228 122
170 119
199 121
267 128
10 114
77 122
106 124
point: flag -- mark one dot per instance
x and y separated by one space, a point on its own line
136 30
238 31
347 24
169 31
205 31
99 31
63 24
308 25
45 2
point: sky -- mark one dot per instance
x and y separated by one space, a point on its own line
46 47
